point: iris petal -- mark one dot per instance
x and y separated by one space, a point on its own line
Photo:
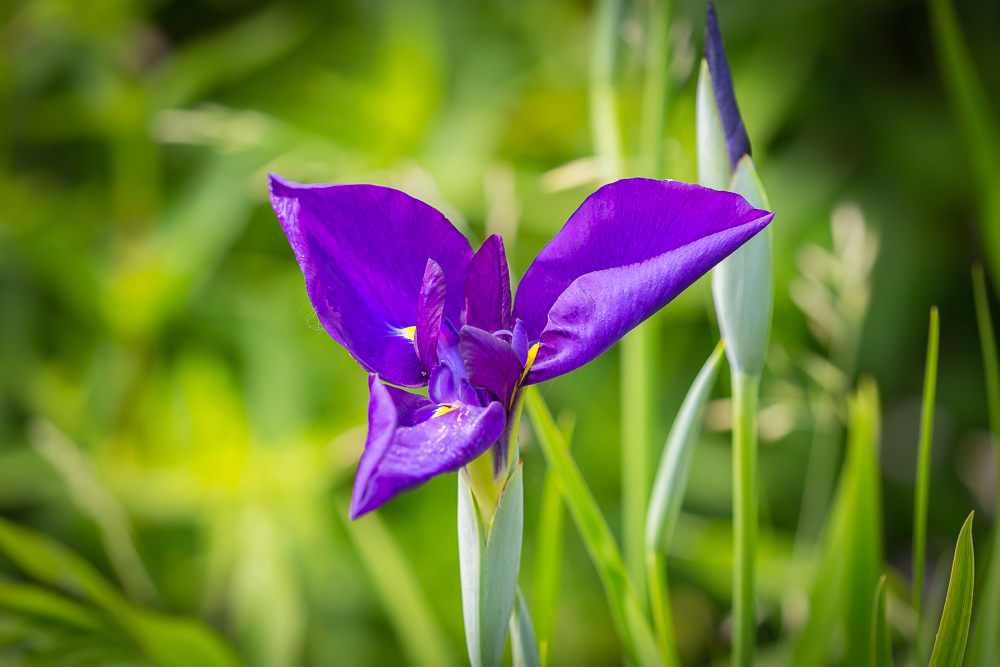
363 250
487 287
737 141
625 253
430 308
491 363
399 458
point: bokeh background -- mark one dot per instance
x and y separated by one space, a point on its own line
171 410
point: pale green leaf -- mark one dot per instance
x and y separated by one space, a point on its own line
523 645
626 610
489 562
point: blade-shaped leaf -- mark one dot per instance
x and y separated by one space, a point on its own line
549 550
881 639
626 610
924 467
949 646
489 563
38 602
523 645
984 646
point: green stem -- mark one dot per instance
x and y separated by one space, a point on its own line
924 469
659 600
635 401
655 88
603 98
746 389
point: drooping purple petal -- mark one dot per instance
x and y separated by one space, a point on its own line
363 250
737 141
487 287
400 458
491 363
430 308
627 251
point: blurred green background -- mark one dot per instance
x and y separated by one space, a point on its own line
171 409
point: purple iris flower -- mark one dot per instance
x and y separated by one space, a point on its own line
737 140
398 286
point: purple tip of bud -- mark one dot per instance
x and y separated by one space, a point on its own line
737 141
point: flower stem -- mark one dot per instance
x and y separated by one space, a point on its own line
603 98
635 400
659 600
746 388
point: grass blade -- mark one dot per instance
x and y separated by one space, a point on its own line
668 494
924 469
881 639
549 550
984 648
636 350
421 638
523 645
949 646
626 610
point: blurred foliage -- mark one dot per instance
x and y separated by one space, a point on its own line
170 409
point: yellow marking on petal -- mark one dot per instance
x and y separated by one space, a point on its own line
532 353
409 332
442 410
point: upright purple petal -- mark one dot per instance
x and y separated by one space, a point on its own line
430 308
737 141
627 251
487 287
519 341
399 458
363 250
491 363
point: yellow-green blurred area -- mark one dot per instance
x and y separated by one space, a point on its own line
171 409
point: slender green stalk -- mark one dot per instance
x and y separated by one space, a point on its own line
603 98
655 89
549 551
636 350
984 648
659 600
924 469
746 389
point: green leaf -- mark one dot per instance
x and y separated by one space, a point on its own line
489 562
626 610
949 646
420 636
924 469
984 647
743 284
713 157
181 642
549 550
881 642
849 563
523 646
38 602
668 494
167 641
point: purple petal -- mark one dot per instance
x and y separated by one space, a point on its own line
400 458
487 287
625 253
737 141
430 308
363 250
491 363
519 341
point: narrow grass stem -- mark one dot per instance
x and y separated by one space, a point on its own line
984 646
636 350
655 91
659 600
603 98
746 390
924 469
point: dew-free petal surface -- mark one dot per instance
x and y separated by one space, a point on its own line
737 140
491 363
487 287
400 458
363 250
430 308
629 249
